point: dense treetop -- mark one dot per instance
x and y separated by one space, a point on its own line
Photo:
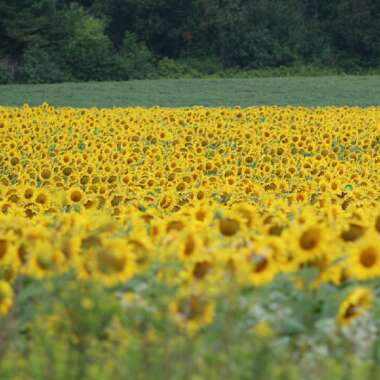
59 40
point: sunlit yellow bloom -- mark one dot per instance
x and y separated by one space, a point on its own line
203 199
192 312
354 305
115 262
263 329
364 257
6 297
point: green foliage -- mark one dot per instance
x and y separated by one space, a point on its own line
89 53
357 34
205 65
5 74
263 36
127 39
162 24
296 70
38 66
284 86
60 328
135 60
24 23
255 49
169 68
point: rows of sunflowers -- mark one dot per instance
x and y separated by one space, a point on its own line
192 243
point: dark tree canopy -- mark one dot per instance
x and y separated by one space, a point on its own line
123 39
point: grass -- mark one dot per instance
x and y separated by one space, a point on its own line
318 91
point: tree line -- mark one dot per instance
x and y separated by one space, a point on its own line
44 41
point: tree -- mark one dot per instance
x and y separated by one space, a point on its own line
120 39
159 23
24 23
268 33
357 32
87 51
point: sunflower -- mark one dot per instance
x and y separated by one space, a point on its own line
247 212
115 262
28 193
192 312
375 217
203 271
307 241
42 199
259 266
201 213
263 329
45 260
141 248
167 201
70 246
35 232
75 196
284 260
6 297
45 173
229 226
377 223
364 257
353 232
354 305
8 248
331 270
190 245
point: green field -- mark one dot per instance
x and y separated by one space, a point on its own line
317 91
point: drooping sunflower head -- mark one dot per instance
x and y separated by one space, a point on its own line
192 312
354 305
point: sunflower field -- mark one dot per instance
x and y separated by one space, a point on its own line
192 243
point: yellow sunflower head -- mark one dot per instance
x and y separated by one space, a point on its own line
354 305
192 312
6 297
364 257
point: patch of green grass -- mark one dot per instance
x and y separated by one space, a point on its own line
317 91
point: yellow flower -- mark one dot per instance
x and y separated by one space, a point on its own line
264 329
115 262
192 312
45 260
8 247
75 196
6 297
364 257
42 198
230 195
87 303
354 305
307 241
259 265
229 226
